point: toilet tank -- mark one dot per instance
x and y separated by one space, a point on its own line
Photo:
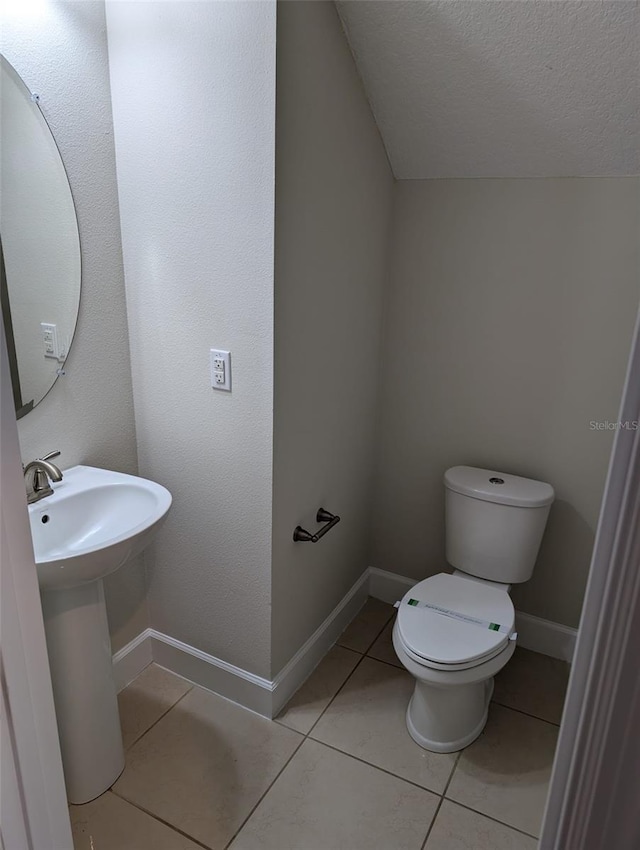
494 522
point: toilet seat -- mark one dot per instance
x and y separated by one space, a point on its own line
443 642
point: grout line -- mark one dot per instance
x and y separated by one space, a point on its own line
333 698
303 738
386 623
308 736
186 834
491 818
388 663
160 820
376 767
348 648
304 735
455 766
377 635
362 655
266 791
155 722
493 701
431 825
442 798
526 713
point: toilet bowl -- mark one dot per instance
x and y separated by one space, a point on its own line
451 658
453 633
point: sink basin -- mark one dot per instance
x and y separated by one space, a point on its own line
93 523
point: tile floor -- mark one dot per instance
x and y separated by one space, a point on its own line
335 771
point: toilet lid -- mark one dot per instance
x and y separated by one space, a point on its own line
449 638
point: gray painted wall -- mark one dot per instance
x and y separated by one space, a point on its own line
333 204
62 54
508 325
193 100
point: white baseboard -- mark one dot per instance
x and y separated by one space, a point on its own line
131 660
266 696
212 673
311 653
260 695
388 587
198 667
546 637
534 633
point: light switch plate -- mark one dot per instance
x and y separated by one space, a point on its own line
220 364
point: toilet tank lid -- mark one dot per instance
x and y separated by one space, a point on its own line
491 486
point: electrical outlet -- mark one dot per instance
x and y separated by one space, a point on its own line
50 340
220 365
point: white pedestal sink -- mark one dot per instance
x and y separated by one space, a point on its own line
92 524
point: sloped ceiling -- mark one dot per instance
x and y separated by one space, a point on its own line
501 88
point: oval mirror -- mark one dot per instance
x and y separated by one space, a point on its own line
39 245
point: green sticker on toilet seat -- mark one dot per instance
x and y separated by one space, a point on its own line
465 618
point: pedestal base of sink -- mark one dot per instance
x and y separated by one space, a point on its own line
79 647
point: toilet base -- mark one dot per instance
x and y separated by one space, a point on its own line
446 720
448 708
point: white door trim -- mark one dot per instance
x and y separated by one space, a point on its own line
26 683
593 797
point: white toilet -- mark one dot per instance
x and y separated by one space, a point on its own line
455 632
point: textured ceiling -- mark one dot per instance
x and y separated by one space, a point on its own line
501 88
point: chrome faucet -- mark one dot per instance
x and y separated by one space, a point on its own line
36 477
